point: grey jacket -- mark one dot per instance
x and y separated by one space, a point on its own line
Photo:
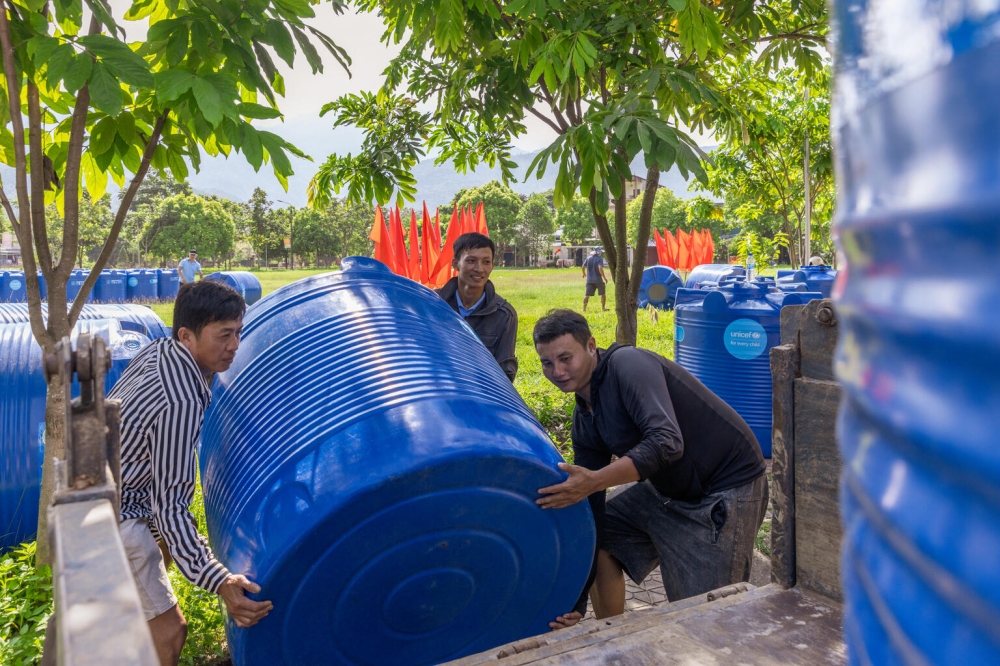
495 322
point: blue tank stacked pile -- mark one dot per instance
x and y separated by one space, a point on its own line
918 152
22 416
400 526
724 335
246 283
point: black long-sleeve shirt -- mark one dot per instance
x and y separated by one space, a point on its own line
494 321
682 437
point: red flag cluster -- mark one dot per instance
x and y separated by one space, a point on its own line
685 251
428 260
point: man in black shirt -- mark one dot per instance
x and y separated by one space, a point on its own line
472 295
701 491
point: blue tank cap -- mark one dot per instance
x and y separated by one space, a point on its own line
362 264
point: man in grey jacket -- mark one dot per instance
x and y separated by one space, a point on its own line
472 295
698 490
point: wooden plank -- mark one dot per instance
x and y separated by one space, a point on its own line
817 474
784 366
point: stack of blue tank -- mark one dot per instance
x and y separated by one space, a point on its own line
815 278
918 203
723 337
75 283
136 318
111 287
711 274
369 464
13 288
242 281
658 287
22 417
168 283
142 284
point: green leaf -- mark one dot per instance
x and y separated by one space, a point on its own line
94 178
161 29
102 137
173 83
126 128
209 100
252 148
78 72
250 110
105 91
312 55
678 5
177 46
275 148
57 63
645 137
120 59
279 37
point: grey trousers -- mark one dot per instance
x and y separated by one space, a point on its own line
699 546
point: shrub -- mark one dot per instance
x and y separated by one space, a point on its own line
25 606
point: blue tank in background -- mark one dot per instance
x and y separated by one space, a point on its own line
711 274
142 285
22 417
242 281
43 289
13 288
75 283
169 283
136 318
919 347
111 287
723 336
368 463
815 278
658 286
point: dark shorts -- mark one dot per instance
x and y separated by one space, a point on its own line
699 546
595 286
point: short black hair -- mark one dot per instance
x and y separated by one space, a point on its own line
557 323
472 241
199 304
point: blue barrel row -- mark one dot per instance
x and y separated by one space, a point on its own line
22 411
918 201
126 286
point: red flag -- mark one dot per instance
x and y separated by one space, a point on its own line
443 269
414 261
697 247
398 243
430 251
670 243
437 232
481 220
380 235
709 247
683 251
661 249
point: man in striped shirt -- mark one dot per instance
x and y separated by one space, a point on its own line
164 393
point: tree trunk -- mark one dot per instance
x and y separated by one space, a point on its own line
55 447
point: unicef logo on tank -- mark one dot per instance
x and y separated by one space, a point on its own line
745 339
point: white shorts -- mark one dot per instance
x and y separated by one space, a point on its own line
148 570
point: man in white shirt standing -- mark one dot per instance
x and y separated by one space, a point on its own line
164 393
189 267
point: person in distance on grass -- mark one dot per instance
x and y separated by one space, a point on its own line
593 270
697 490
164 392
472 295
189 267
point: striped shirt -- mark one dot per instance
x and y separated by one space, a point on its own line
164 396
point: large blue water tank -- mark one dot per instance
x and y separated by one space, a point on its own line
136 318
723 336
142 284
815 278
170 282
658 286
22 417
918 166
242 281
75 283
43 289
13 288
369 464
710 274
111 287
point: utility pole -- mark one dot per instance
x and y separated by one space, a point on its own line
806 180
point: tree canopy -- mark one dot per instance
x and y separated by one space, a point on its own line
576 220
611 79
502 206
187 221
